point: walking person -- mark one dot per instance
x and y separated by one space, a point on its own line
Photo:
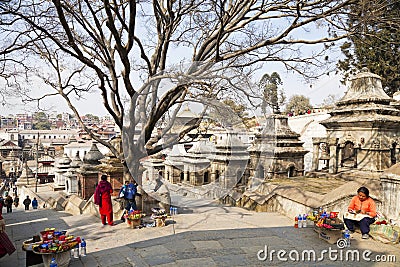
129 191
16 201
102 197
27 202
8 202
6 246
35 203
121 195
1 204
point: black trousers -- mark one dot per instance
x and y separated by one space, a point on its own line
363 224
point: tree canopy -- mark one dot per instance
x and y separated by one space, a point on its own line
273 96
41 121
298 104
146 58
376 43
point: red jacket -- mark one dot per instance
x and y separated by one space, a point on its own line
367 205
102 197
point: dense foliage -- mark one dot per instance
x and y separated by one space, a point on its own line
298 105
376 42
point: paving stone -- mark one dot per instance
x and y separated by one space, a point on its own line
196 262
179 245
209 244
231 260
157 259
153 250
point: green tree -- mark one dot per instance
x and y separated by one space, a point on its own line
298 104
93 118
41 121
376 42
272 96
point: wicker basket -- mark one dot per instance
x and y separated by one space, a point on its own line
132 223
160 222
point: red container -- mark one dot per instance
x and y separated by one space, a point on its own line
333 214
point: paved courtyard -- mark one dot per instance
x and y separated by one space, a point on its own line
212 235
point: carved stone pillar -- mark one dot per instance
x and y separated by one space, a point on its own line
391 194
315 158
333 164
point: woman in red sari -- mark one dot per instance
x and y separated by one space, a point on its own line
102 197
6 246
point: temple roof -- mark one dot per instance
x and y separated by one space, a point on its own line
76 161
365 87
64 161
46 158
93 156
364 105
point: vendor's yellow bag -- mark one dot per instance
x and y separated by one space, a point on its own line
385 233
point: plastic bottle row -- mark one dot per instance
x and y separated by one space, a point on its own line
173 210
300 221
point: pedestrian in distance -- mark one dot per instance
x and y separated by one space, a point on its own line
16 201
9 202
35 203
102 198
27 202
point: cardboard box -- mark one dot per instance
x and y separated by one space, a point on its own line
330 236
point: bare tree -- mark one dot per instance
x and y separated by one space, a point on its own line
145 58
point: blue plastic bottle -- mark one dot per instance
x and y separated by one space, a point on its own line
300 221
53 263
83 248
346 236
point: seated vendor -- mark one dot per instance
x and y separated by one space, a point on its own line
361 204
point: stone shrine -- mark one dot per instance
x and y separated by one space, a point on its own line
71 177
88 173
228 168
197 162
277 151
60 169
362 131
174 166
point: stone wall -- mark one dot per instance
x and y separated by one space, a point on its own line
308 126
391 196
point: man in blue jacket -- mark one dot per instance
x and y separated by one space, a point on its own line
128 191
